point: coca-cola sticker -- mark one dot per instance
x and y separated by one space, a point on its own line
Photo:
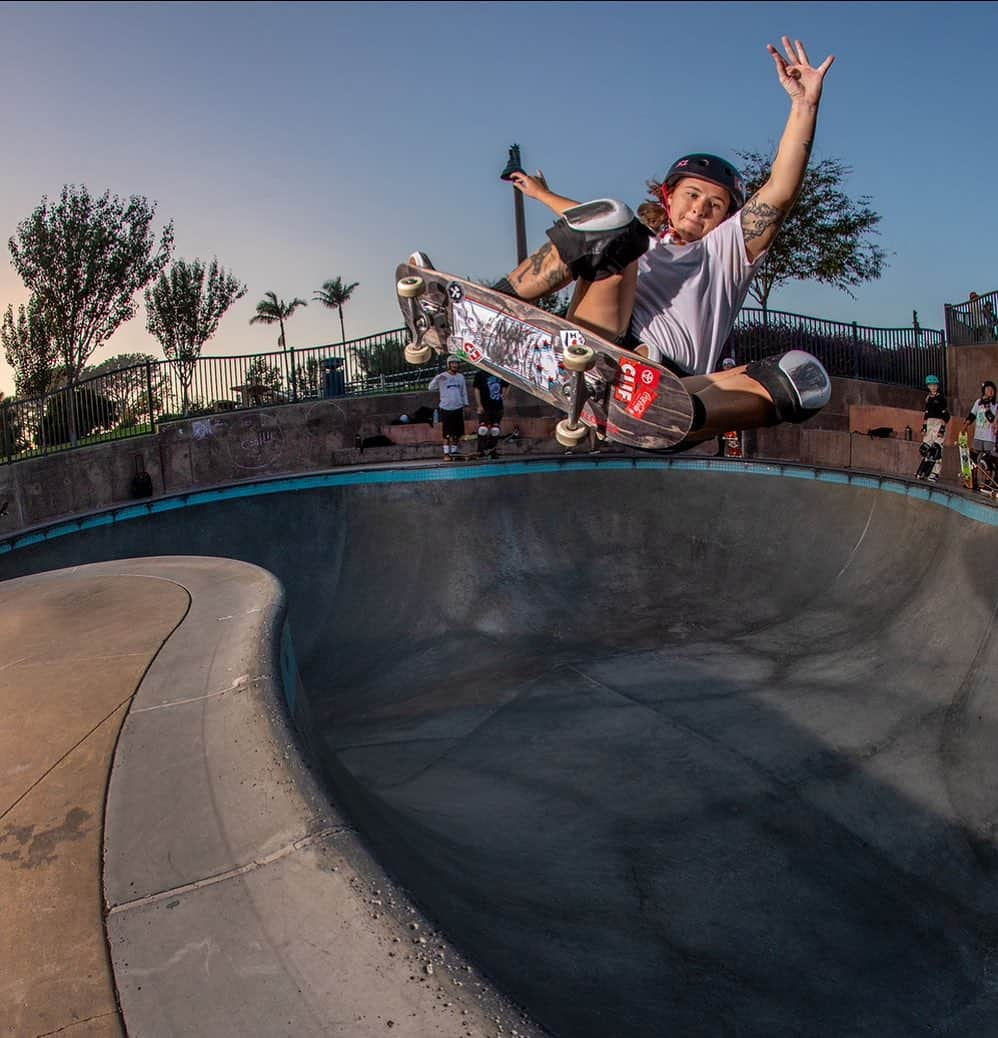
473 352
637 387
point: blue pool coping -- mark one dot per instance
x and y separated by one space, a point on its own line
977 511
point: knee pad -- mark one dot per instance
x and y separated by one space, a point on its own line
494 431
598 239
797 382
483 430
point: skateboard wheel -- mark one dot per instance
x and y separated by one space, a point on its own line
410 287
417 354
579 358
568 436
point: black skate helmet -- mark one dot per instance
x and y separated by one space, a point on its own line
987 382
712 168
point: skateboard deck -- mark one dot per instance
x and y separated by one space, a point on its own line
600 386
986 471
931 453
966 468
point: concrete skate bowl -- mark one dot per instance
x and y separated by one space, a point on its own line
667 747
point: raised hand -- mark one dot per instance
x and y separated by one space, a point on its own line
801 80
532 186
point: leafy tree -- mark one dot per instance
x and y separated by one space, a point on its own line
29 350
183 309
260 373
335 294
84 258
826 237
310 377
556 303
381 358
271 310
77 412
125 382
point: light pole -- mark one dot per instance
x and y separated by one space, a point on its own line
514 165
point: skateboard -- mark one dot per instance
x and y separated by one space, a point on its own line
966 468
622 396
931 453
986 470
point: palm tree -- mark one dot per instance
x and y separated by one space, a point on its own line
271 310
335 294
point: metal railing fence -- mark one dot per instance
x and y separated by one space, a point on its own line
133 401
898 356
974 321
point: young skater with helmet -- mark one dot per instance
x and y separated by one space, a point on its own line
674 296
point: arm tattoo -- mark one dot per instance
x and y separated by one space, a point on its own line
758 218
538 258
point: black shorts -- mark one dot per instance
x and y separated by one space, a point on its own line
491 414
452 423
630 341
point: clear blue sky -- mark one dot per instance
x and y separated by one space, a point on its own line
298 143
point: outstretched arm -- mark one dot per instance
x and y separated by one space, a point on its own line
537 187
766 210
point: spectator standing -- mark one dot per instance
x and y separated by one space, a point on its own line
982 417
934 421
453 392
490 389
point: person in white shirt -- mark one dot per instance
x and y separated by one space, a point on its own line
453 400
983 417
675 297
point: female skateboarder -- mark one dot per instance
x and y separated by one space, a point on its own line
675 296
934 426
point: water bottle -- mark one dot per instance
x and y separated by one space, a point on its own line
907 432
436 416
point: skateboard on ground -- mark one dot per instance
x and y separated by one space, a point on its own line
622 396
966 468
931 453
986 470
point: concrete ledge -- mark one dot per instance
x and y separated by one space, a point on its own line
239 901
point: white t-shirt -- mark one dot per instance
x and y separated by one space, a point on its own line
453 390
983 429
688 296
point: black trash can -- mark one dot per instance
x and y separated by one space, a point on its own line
334 381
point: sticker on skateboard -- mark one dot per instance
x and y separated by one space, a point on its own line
600 386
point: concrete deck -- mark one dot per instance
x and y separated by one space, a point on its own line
670 747
219 893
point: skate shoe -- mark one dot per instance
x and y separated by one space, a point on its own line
420 259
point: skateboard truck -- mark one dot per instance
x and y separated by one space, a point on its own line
570 432
419 321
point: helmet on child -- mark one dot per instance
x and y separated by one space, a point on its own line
453 358
711 168
931 380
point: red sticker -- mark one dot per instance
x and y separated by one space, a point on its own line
637 387
473 352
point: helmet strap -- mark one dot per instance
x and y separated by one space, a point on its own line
669 229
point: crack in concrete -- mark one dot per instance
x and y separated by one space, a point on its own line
240 870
